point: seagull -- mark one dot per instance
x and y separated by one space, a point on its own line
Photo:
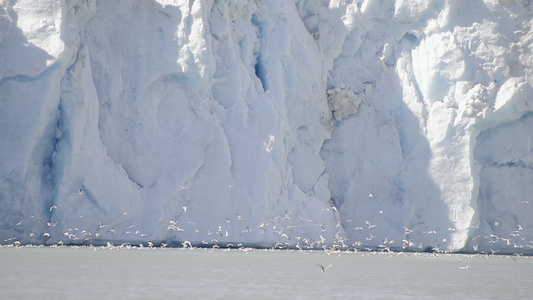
370 195
81 191
370 225
175 228
322 267
52 207
464 268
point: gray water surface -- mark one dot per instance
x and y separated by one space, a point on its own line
119 273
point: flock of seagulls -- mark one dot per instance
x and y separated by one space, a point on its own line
287 229
281 226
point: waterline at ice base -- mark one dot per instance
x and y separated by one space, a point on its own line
366 124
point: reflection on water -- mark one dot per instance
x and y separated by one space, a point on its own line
130 272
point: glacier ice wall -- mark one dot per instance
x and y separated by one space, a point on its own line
374 123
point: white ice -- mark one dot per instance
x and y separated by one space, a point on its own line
368 123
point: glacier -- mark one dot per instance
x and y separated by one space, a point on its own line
375 124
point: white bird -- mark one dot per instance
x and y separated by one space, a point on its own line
322 267
102 225
81 192
464 268
52 207
370 225
174 227
184 209
370 195
286 217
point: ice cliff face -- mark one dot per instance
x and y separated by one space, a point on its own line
373 123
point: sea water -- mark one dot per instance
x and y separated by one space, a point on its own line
155 273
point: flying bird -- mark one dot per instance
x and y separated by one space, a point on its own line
322 267
407 230
370 225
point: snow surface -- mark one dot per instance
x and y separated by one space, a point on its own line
370 123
